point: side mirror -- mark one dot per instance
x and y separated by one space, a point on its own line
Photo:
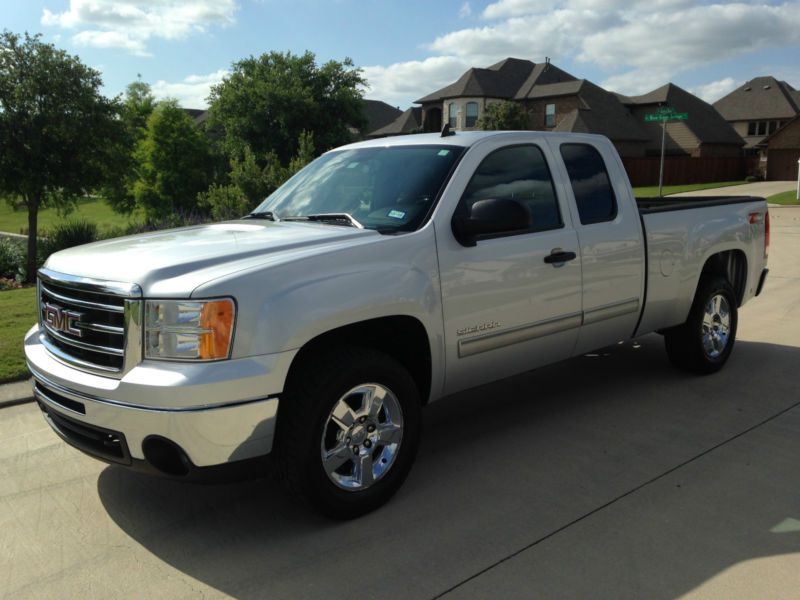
491 216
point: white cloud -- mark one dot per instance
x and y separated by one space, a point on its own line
711 92
398 83
129 24
638 45
192 91
465 11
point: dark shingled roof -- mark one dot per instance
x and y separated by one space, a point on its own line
708 126
379 114
760 98
542 74
601 113
551 90
407 122
501 80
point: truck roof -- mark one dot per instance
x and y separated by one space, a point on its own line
460 138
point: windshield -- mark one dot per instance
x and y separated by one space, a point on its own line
386 188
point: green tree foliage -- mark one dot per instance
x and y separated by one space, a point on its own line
57 131
266 102
137 106
505 115
174 162
250 183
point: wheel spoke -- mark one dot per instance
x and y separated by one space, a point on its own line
363 470
389 433
343 415
373 401
336 457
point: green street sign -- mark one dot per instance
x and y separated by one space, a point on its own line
667 116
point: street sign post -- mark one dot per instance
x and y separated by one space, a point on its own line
664 114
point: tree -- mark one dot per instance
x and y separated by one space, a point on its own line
266 102
174 161
56 129
137 105
505 115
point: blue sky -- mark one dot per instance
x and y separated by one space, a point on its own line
410 48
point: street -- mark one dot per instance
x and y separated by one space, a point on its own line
607 476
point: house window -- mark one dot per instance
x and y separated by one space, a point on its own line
751 128
773 126
472 114
452 115
550 115
762 128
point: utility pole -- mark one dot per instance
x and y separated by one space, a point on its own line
661 169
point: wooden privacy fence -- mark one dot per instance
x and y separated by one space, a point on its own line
680 170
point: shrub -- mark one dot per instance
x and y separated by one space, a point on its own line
225 202
69 234
753 178
12 257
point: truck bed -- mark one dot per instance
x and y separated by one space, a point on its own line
670 203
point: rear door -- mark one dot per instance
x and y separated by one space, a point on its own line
610 237
506 308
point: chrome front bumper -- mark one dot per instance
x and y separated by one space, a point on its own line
216 413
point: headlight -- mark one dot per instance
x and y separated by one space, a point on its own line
189 329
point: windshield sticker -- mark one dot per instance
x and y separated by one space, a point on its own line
397 214
444 152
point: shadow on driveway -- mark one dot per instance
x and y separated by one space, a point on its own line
502 467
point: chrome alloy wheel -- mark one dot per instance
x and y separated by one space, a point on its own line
716 326
362 436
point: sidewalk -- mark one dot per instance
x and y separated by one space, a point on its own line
15 393
759 188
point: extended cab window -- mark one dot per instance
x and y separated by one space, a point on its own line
519 173
590 183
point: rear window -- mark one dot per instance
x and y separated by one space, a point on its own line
591 185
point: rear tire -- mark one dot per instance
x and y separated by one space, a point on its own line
349 425
705 341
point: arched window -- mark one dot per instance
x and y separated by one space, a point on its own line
452 115
472 114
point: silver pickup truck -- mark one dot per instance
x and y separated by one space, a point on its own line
383 276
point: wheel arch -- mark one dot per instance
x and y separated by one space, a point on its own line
402 337
731 264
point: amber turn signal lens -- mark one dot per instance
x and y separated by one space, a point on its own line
216 318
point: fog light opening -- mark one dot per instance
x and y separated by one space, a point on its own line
166 456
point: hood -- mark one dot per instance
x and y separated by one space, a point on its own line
176 261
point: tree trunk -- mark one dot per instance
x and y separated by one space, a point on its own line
33 217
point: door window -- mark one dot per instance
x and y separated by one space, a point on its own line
519 173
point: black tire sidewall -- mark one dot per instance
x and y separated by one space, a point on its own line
698 359
316 487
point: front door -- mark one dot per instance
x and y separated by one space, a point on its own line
508 306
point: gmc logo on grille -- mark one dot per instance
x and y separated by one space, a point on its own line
62 319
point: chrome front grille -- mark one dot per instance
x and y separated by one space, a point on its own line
91 324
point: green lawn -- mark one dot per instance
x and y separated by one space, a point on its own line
18 310
789 197
94 210
652 191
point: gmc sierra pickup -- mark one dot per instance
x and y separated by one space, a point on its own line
383 276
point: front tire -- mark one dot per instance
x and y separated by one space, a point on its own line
349 426
705 341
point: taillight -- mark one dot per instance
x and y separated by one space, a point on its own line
757 218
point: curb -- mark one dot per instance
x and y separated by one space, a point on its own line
16 393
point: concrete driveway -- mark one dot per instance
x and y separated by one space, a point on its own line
762 189
608 476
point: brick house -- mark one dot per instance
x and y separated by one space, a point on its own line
759 108
782 151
